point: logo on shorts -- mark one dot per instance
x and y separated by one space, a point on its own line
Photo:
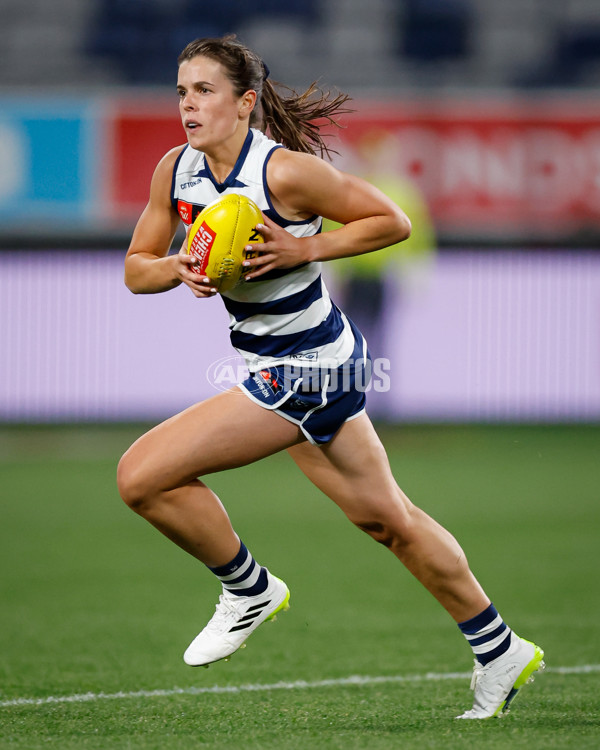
271 380
305 356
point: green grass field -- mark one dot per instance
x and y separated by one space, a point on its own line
94 601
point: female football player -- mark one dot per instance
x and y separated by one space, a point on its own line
307 361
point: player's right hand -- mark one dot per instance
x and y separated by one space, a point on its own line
201 286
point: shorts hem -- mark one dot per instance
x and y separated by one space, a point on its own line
312 440
275 410
353 416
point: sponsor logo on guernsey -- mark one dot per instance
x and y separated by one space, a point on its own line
202 244
186 185
184 209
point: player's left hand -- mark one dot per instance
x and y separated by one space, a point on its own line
280 249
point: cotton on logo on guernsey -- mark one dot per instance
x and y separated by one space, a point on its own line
201 245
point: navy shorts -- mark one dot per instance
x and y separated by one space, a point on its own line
318 400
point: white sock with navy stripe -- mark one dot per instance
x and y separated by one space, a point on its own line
487 634
242 576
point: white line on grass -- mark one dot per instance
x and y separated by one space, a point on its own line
259 688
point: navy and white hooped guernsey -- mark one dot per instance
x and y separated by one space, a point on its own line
288 317
306 360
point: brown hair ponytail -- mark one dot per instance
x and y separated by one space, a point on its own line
291 119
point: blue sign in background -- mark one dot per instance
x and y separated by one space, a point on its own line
48 160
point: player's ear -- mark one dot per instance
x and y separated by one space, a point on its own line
247 104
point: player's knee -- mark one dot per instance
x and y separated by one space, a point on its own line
133 485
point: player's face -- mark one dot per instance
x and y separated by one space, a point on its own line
209 110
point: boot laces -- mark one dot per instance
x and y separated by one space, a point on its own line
477 674
225 611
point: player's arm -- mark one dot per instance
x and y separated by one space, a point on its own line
302 185
148 266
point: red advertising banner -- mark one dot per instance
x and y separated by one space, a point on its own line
527 170
138 137
523 170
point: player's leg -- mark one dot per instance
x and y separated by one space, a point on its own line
157 476
353 470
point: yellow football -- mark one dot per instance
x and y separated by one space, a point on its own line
218 238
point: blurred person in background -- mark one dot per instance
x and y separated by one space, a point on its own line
364 281
370 284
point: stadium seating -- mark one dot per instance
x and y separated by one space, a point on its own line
384 44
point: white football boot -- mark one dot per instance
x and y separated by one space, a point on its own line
235 618
497 683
